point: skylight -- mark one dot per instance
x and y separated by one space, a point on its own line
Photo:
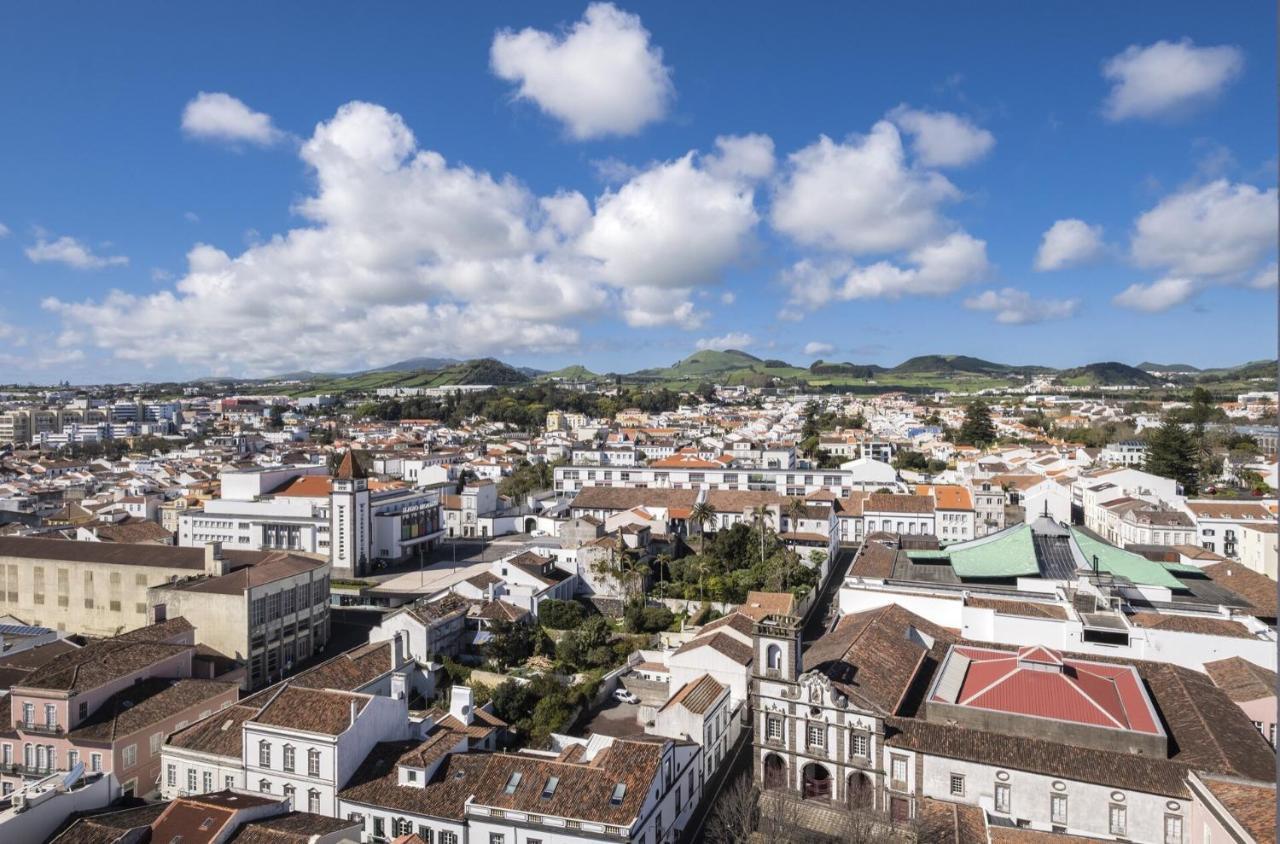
514 782
619 791
549 790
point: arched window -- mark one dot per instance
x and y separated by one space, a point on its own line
773 658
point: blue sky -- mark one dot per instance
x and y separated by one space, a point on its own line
266 187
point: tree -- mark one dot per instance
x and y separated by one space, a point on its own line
510 642
797 508
701 514
977 429
560 615
513 701
1172 453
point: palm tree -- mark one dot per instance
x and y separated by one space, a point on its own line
758 515
797 509
701 515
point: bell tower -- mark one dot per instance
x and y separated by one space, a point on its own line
777 646
349 526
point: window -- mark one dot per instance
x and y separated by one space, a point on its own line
29 714
264 754
816 735
447 837
426 834
171 775
73 758
50 715
860 745
773 658
1002 798
229 781
95 762
7 754
549 790
657 827
313 762
288 758
772 728
313 803
513 782
1172 829
264 786
156 738
957 785
84 709
1058 808
497 838
130 756
1119 821
898 770
191 780
207 781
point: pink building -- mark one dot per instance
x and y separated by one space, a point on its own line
1251 687
108 705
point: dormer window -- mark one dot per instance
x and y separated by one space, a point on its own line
513 782
619 791
549 790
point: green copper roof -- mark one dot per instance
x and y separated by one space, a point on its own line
1009 553
1121 563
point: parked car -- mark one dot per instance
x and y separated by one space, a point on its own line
625 696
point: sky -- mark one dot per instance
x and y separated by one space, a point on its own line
255 188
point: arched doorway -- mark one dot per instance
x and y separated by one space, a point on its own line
860 794
530 525
817 782
775 771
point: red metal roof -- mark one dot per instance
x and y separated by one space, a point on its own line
1038 681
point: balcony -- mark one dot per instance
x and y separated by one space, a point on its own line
26 770
40 728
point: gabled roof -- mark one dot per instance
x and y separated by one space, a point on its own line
697 696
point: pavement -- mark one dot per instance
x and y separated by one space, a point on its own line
615 719
822 613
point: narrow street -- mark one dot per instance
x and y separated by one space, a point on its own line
822 613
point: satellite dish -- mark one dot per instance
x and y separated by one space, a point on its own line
74 775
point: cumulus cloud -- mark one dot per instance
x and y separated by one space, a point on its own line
1214 230
73 253
601 77
732 340
1067 243
933 269
942 139
1266 278
221 117
742 156
815 348
1167 78
859 196
1017 307
1157 296
404 253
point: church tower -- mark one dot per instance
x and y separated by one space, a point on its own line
777 645
349 520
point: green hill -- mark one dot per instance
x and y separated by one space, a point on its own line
962 364
1147 366
576 372
704 364
1108 374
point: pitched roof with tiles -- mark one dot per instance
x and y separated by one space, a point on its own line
1206 625
1252 804
314 710
141 705
1241 680
625 498
733 648
893 503
697 696
1257 589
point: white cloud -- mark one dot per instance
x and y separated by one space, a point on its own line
1218 229
934 269
222 117
732 340
1016 307
673 225
1157 296
602 77
73 253
742 156
943 139
815 348
1266 278
860 196
1069 242
4 230
1167 78
403 253
728 297
191 216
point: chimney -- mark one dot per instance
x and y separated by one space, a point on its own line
397 649
460 704
355 710
215 564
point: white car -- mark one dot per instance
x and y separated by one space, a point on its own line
625 696
537 533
